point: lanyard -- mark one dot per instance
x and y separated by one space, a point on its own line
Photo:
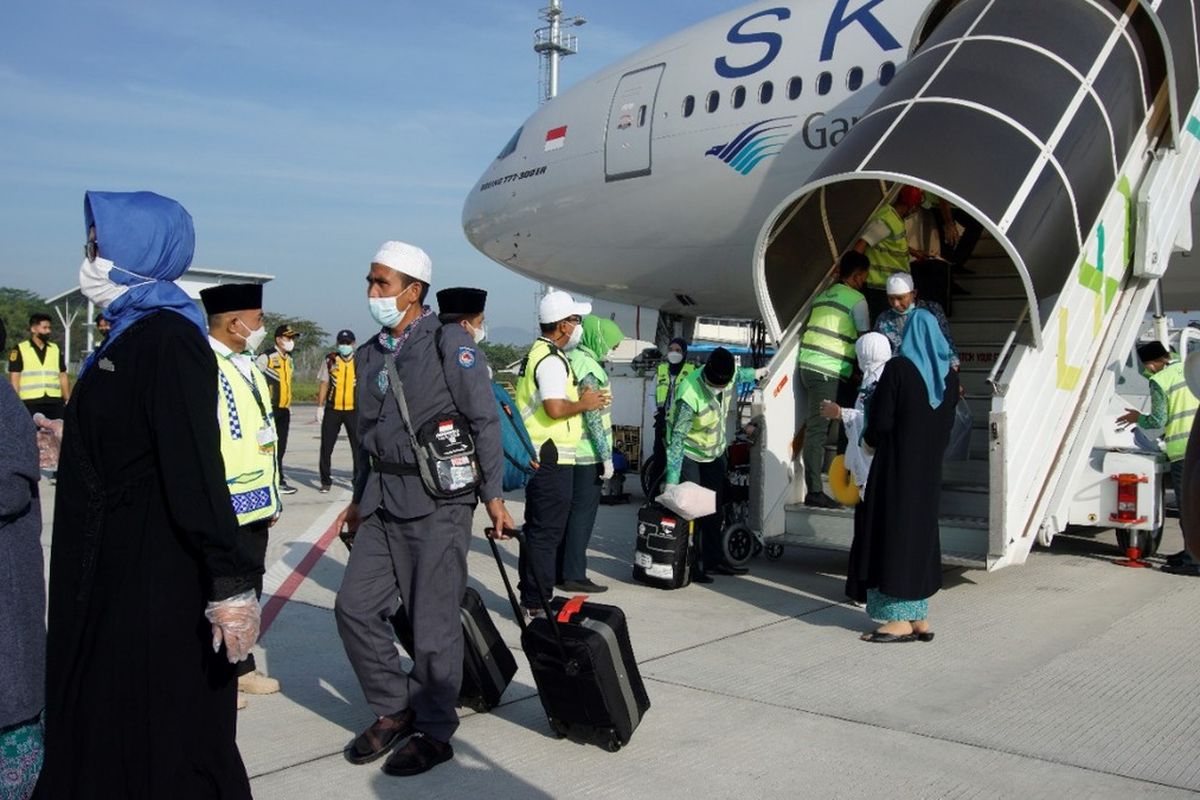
262 409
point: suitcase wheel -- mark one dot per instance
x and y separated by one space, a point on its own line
614 743
774 551
560 730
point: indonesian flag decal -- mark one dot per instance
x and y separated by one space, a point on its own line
556 138
446 427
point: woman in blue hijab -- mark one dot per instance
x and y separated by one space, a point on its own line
138 705
896 558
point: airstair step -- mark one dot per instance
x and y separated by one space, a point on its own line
988 305
968 328
990 284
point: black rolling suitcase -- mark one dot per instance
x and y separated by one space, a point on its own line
488 664
584 668
662 556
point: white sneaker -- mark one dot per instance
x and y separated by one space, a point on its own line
242 701
257 683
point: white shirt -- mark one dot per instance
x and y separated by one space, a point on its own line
861 316
552 379
240 360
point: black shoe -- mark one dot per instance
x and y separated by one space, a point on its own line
420 753
325 487
1187 568
384 734
585 585
1177 558
286 489
820 500
702 577
726 569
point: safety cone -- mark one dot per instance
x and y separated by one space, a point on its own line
1133 558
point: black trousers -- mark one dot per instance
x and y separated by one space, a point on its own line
51 407
710 475
283 421
252 540
330 426
547 506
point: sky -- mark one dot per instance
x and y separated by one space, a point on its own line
299 135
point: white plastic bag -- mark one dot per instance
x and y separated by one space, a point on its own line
959 447
689 500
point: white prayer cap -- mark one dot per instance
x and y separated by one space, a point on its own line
557 306
899 283
409 259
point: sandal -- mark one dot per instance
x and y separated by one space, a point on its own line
879 637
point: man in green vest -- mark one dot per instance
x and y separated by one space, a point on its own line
248 435
552 405
669 376
826 362
38 370
1172 409
884 241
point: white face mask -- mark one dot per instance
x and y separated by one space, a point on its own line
576 335
287 345
255 337
97 286
480 333
385 312
674 357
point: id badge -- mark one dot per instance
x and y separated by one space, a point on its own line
266 437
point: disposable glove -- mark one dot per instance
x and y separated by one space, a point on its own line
608 472
320 414
235 621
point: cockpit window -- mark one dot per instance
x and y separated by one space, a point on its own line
511 147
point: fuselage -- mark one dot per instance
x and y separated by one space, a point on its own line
649 182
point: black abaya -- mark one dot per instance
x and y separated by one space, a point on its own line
896 548
138 705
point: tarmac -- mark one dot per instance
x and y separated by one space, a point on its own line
1064 677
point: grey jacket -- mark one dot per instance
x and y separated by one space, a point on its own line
22 584
454 378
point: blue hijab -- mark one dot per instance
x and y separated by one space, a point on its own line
925 345
151 239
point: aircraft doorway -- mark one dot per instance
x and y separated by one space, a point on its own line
630 124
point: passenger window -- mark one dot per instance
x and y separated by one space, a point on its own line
855 79
794 87
714 101
689 105
642 117
739 97
886 73
766 92
824 83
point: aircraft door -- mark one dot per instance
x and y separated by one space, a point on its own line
630 124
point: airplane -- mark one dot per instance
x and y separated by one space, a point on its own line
722 170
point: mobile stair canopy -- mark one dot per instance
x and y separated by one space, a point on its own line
1057 126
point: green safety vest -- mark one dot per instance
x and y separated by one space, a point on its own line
250 468
707 439
39 378
827 345
891 254
565 433
666 384
583 365
1181 408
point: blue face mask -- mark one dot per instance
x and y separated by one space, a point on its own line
908 310
345 350
384 311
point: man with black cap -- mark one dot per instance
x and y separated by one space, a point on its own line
277 365
411 531
698 434
335 404
464 306
248 436
1173 408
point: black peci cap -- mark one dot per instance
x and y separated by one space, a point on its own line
345 337
461 300
231 297
1151 351
720 366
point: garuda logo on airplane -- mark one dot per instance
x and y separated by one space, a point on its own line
754 145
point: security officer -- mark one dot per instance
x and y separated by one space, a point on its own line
826 361
248 436
406 540
552 405
697 439
335 405
671 373
278 367
1172 409
38 370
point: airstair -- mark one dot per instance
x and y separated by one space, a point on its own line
1083 195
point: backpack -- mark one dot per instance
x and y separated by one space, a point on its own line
518 447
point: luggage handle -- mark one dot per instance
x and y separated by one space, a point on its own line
537 584
571 607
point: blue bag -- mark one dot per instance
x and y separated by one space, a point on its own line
518 447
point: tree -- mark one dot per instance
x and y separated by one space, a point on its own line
500 356
15 307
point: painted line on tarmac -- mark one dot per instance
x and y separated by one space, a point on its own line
282 580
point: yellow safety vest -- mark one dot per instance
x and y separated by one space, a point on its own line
565 433
583 365
250 468
827 345
708 437
664 389
890 255
341 383
280 365
39 377
1181 408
